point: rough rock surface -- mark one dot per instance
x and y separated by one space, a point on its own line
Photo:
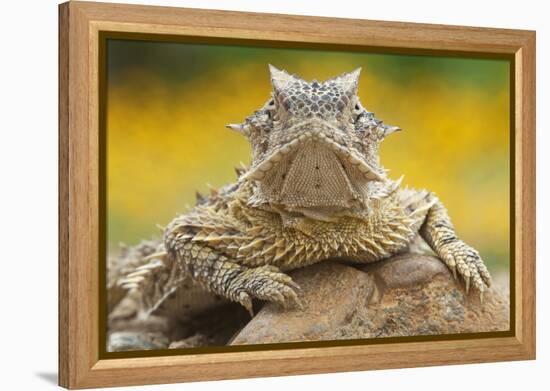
403 296
136 340
215 326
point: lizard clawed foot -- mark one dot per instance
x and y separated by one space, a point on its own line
466 262
265 283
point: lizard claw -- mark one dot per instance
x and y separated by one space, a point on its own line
266 283
453 270
467 282
295 286
246 301
463 260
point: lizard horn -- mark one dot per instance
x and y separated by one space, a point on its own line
390 129
240 128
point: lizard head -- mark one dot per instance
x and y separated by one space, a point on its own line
314 147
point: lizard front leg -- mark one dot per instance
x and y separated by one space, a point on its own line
438 231
218 273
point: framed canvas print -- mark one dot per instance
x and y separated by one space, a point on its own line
251 195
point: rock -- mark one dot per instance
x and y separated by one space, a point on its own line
134 340
125 317
213 327
406 295
417 295
194 341
127 330
331 294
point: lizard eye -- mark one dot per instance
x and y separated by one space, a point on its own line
270 110
357 112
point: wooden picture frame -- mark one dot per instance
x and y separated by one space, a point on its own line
80 26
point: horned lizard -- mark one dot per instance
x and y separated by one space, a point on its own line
315 190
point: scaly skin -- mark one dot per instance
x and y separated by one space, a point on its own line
315 190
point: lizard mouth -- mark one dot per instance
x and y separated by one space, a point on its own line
312 172
259 172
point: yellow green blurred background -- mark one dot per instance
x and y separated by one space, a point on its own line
168 104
